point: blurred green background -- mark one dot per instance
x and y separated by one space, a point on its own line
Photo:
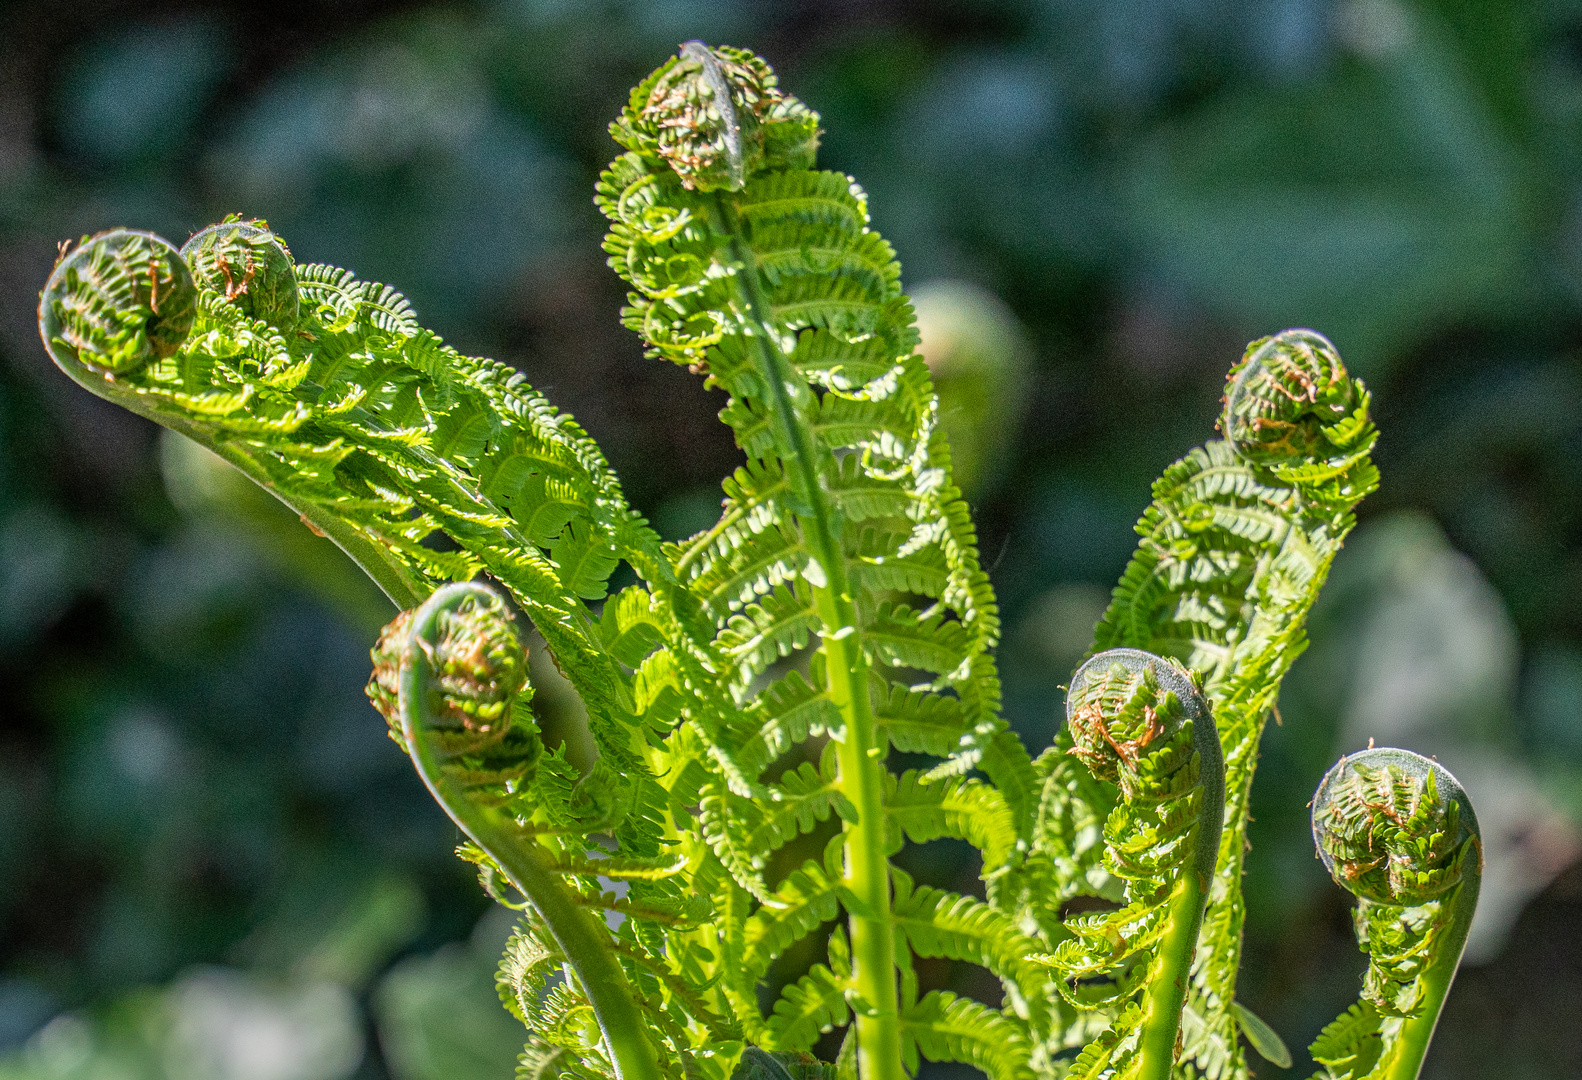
213 864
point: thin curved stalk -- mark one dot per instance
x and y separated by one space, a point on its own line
1170 973
394 578
583 941
1167 980
1411 1043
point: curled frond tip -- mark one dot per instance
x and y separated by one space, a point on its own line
248 265
1284 393
1390 826
477 658
116 302
716 115
1122 703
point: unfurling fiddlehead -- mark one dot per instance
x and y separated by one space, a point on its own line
841 584
1397 830
248 265
450 678
1141 722
117 302
1287 401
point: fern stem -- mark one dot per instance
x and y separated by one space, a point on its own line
580 938
862 770
867 869
1167 980
1395 828
1411 1044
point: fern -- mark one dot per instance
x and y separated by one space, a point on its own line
769 683
1398 831
751 266
1142 724
1234 550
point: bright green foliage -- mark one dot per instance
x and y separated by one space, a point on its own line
382 437
450 678
749 693
248 265
843 531
1388 835
1398 831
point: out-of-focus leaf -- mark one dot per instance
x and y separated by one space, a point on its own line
1375 202
440 1018
1263 1038
206 488
977 354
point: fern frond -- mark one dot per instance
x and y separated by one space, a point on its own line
801 799
968 810
383 438
540 1061
786 712
814 1004
778 625
1397 830
837 605
1141 723
808 897
1234 548
1349 1045
917 721
751 266
944 1027
939 923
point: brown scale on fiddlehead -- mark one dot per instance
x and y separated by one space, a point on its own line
1118 709
249 266
708 106
119 300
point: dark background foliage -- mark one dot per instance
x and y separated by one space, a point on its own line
201 824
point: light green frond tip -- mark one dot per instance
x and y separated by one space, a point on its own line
716 116
117 301
249 266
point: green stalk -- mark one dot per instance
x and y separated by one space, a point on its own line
1170 972
1411 1042
862 769
1167 980
867 869
582 940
